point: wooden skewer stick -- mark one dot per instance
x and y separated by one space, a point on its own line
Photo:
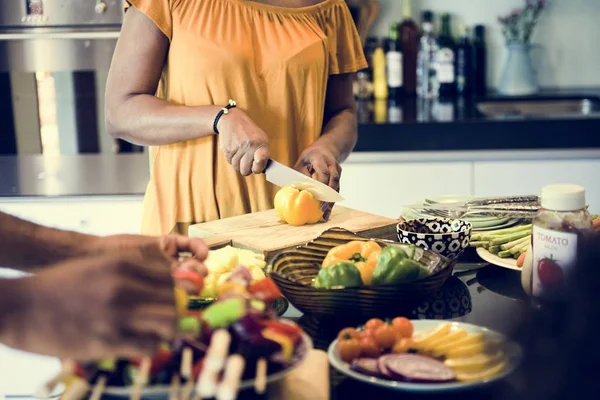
206 386
175 385
186 373
229 387
260 382
76 390
141 379
67 369
98 388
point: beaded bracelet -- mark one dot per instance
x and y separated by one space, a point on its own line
223 111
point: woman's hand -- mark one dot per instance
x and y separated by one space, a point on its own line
320 163
245 145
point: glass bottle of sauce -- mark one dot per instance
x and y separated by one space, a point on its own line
409 36
557 227
380 87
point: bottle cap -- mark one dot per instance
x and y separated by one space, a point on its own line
563 197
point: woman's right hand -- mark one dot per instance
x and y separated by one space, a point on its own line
245 145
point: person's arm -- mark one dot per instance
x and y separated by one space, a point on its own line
339 134
135 114
26 246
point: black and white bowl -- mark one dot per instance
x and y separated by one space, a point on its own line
448 237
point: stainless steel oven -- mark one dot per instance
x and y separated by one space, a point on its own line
54 61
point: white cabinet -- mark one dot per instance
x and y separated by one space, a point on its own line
503 178
383 188
100 215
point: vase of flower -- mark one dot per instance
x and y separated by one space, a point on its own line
519 77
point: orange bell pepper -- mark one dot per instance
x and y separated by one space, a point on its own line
363 254
297 207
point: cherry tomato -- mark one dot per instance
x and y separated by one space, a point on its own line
367 333
369 348
374 323
385 336
404 326
403 345
349 349
193 277
348 333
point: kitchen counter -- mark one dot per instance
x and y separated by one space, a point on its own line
458 125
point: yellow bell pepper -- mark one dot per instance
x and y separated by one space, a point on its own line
297 207
181 300
363 254
287 345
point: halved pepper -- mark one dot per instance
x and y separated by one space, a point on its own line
363 254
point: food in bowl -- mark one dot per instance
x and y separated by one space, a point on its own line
448 237
358 263
239 332
221 262
394 351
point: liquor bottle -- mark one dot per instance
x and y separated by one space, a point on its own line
479 64
428 48
464 64
444 60
380 89
409 37
393 59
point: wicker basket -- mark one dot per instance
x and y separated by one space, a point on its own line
295 270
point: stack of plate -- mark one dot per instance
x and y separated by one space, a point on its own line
479 223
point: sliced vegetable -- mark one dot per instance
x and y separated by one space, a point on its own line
297 207
289 330
287 345
418 368
367 366
223 313
265 290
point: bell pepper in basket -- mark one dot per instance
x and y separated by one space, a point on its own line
341 274
363 254
297 207
394 266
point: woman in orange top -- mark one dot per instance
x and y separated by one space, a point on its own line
287 64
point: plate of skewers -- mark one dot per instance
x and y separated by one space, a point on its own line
238 342
503 247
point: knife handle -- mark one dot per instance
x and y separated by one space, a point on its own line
267 165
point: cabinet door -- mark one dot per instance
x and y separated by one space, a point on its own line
383 188
94 215
501 178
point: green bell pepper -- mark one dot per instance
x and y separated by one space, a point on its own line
340 274
394 266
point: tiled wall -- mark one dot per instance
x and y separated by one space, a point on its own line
568 35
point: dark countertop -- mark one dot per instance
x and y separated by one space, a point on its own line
457 125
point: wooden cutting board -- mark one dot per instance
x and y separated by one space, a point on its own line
263 232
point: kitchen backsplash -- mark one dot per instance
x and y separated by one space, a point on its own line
567 37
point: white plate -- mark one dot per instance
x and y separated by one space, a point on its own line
507 224
511 349
509 263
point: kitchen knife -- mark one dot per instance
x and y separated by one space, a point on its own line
280 175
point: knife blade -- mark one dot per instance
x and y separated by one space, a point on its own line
280 175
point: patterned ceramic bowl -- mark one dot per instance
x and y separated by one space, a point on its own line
448 237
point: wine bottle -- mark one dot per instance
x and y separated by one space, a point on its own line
464 64
444 60
393 59
428 47
479 69
409 37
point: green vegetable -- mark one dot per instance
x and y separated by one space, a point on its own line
509 238
341 274
108 365
510 245
494 249
479 243
394 266
258 305
224 313
491 235
189 325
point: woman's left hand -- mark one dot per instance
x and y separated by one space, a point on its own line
321 163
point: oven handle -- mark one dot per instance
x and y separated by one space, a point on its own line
59 35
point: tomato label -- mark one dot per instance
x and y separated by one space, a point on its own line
554 254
